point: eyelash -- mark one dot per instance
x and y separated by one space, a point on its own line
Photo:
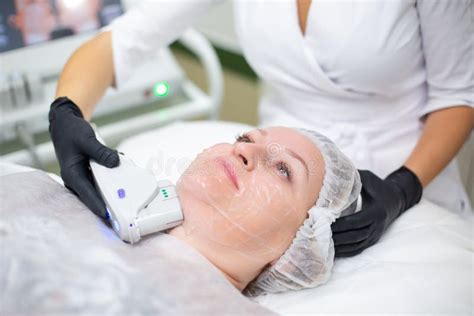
243 138
283 166
280 165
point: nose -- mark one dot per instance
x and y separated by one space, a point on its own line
248 154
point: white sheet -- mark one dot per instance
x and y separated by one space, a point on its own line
423 264
10 168
57 258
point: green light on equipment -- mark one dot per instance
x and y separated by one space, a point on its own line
161 89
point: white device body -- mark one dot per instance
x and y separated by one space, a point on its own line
137 203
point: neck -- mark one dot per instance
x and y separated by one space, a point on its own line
223 260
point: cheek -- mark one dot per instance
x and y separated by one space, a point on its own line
259 220
206 195
204 181
268 213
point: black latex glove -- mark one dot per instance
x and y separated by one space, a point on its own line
382 202
75 143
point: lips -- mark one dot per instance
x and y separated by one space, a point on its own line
229 170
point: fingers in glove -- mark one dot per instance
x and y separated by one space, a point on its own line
349 250
352 236
353 249
100 153
354 221
78 180
348 254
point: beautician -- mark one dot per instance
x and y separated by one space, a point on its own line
390 82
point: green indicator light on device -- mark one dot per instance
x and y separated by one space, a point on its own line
161 89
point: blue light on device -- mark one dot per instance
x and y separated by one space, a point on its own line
121 193
108 213
115 225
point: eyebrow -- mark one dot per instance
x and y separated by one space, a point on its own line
298 157
291 153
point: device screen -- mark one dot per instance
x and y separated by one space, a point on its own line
28 22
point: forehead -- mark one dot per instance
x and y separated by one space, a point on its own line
307 150
292 139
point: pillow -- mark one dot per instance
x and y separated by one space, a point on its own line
168 151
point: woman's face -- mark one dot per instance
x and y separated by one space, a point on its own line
253 195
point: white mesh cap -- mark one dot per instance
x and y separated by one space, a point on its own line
309 259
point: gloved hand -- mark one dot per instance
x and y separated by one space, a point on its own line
75 143
382 202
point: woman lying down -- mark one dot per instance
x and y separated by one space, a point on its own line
265 223
257 216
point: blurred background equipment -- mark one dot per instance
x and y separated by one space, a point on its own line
36 39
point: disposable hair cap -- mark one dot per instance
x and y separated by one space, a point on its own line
308 261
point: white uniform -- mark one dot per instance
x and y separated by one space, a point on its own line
364 73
